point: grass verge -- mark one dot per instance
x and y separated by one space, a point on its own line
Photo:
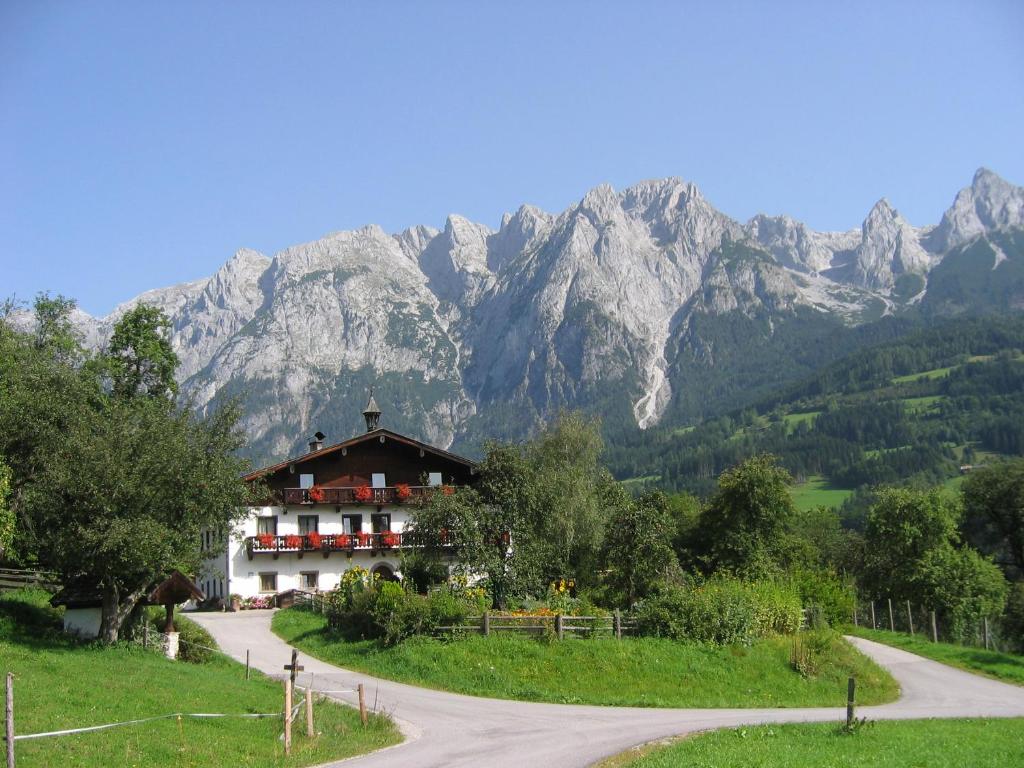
644 672
932 743
62 683
1007 667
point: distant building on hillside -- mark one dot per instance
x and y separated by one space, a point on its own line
329 510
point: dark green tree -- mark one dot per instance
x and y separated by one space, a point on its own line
994 513
637 549
743 527
903 526
139 357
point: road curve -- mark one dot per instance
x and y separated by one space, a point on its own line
448 729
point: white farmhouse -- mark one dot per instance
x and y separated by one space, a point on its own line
329 510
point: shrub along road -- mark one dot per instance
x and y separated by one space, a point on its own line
455 730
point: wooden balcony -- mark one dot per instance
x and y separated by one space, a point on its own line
327 543
408 494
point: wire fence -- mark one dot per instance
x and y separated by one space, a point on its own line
911 618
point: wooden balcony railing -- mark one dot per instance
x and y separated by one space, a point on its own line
407 494
327 543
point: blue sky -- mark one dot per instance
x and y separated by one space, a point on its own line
141 144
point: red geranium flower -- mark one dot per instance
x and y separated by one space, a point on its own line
447 490
315 539
266 540
317 494
364 493
291 541
402 491
343 541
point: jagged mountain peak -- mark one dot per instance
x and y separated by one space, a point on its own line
989 203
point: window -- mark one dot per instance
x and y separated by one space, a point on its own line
434 479
351 523
381 523
308 524
378 480
306 481
308 580
268 582
267 525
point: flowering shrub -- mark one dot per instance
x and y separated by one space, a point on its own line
264 601
314 539
364 493
317 494
402 491
266 540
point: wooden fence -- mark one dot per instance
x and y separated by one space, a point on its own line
17 578
557 626
903 616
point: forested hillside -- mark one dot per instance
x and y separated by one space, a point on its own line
916 408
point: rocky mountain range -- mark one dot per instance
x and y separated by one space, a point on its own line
614 305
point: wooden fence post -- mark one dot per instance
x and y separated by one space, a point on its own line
287 716
309 712
985 619
9 720
935 629
559 632
618 625
362 704
910 618
851 685
892 624
487 623
874 625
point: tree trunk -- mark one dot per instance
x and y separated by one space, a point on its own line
116 611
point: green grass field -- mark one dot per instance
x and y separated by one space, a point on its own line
818 492
935 373
61 683
1007 667
906 744
646 672
793 420
922 404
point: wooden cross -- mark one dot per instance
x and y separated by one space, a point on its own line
294 668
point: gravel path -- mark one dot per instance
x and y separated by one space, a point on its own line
448 729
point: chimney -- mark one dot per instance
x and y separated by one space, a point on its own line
371 414
317 442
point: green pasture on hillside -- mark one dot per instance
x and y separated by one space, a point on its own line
818 492
60 683
644 672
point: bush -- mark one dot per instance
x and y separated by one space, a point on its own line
723 611
194 642
826 595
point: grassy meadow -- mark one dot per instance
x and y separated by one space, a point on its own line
644 672
905 744
61 683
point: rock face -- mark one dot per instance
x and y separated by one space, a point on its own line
577 309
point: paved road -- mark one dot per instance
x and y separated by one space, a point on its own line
447 729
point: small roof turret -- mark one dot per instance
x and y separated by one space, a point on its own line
371 414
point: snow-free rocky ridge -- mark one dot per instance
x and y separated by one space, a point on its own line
595 307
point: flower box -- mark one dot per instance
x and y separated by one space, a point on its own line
292 541
364 493
402 492
314 539
389 539
266 540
